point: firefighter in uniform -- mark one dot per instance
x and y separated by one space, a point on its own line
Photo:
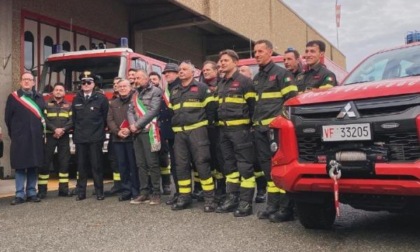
190 103
292 62
210 77
236 105
90 110
317 75
273 85
59 123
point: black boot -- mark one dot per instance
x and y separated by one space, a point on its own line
166 184
63 190
172 200
184 201
260 197
229 204
100 194
244 209
115 189
198 192
220 194
281 216
273 205
209 204
42 191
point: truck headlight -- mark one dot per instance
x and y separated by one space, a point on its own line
273 136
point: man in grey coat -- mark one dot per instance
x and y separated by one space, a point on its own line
142 117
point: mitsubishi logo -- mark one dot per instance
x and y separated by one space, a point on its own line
349 110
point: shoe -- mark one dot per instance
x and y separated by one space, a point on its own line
42 195
172 200
140 200
75 191
260 197
198 195
100 196
80 197
166 190
244 209
17 201
34 198
183 202
124 197
65 194
113 191
209 206
281 216
155 199
229 205
266 213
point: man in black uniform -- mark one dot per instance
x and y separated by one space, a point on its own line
273 85
190 103
58 121
317 76
292 62
236 105
90 109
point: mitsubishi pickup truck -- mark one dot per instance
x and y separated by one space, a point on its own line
356 144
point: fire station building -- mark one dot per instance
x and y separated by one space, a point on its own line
167 30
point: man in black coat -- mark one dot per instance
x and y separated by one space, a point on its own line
26 126
90 110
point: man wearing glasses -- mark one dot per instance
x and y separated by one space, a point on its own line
90 109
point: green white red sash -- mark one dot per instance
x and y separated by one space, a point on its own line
154 136
31 106
166 96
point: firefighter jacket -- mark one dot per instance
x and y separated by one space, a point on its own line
273 86
236 98
58 114
151 97
193 106
316 77
89 117
117 117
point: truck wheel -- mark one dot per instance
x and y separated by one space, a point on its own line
316 216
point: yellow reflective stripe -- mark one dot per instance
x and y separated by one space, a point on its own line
234 122
190 127
232 100
325 86
40 176
184 190
248 183
116 176
272 188
192 105
165 170
208 187
217 175
271 95
77 175
207 184
233 178
70 113
289 89
63 180
265 121
63 114
42 182
209 99
258 174
63 175
250 95
196 179
185 182
195 174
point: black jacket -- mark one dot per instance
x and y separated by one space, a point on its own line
316 77
89 117
273 85
58 115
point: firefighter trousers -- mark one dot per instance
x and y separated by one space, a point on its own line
238 155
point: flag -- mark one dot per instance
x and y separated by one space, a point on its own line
337 14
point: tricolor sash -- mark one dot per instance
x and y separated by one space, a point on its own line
166 96
154 136
33 107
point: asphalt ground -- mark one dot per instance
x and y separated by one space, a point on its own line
64 224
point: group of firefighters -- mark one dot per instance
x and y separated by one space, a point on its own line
217 130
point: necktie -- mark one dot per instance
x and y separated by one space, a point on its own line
86 97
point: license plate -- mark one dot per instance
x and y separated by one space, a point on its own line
346 132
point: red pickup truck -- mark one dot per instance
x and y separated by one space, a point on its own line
365 134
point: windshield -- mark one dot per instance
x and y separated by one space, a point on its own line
398 63
68 71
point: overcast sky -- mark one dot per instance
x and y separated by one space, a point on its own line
366 25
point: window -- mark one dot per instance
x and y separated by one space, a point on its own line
66 46
48 46
157 69
29 50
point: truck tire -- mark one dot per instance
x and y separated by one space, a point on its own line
316 216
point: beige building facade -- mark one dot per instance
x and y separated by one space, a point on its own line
168 30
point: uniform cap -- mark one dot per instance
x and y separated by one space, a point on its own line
87 75
171 67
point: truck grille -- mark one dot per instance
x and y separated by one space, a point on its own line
402 146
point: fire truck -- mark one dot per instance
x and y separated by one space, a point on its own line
106 64
356 144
